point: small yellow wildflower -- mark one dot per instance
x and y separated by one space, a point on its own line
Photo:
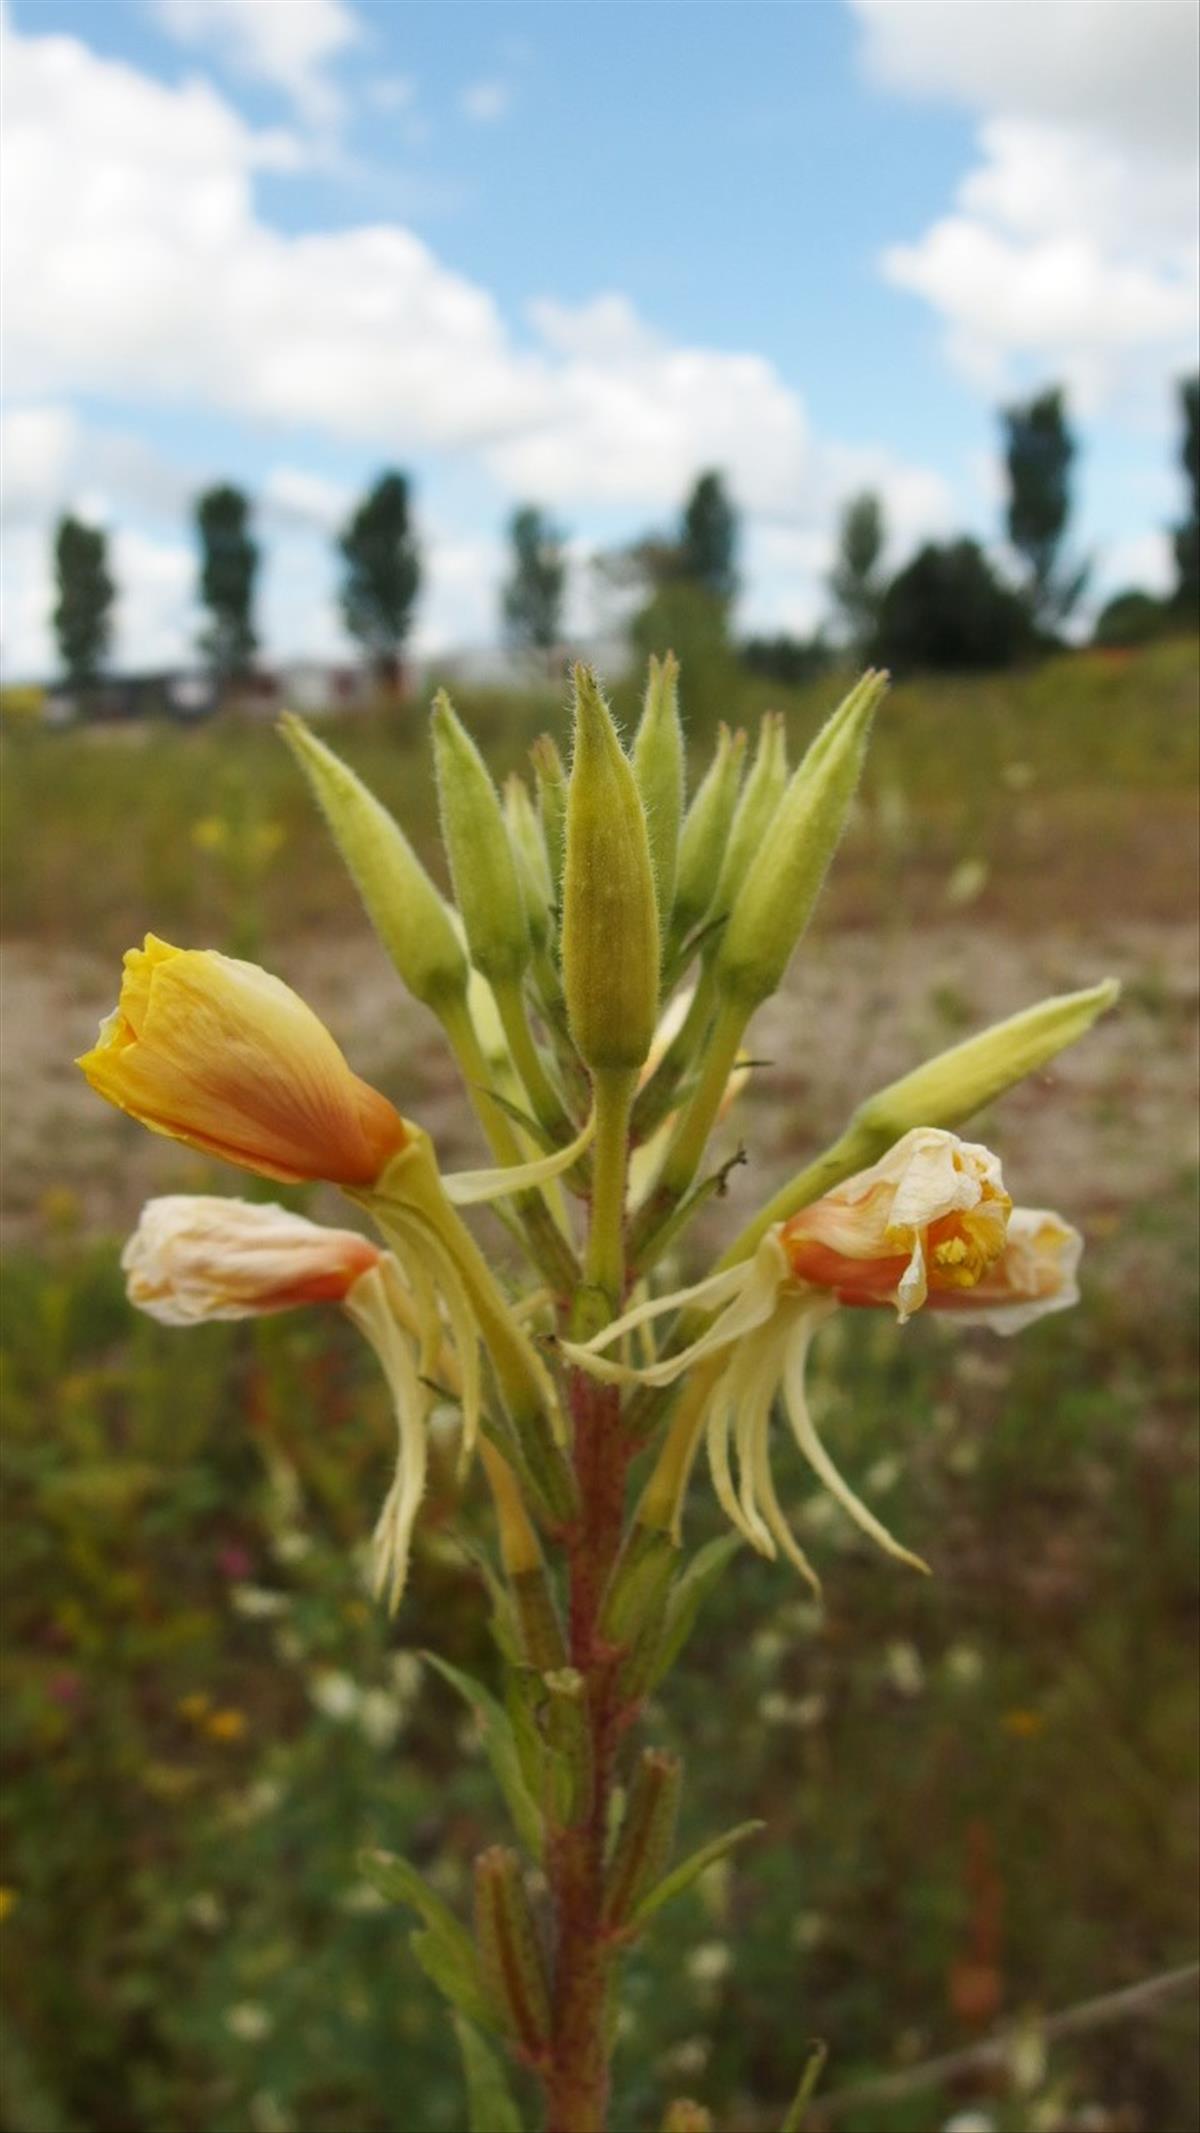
226 1725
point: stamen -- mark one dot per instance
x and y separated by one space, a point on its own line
796 1401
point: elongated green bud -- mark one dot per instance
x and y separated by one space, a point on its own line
510 1954
948 1089
529 851
552 803
658 767
761 795
646 1837
775 902
705 830
484 870
411 919
610 918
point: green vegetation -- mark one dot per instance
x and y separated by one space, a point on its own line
976 1788
1033 774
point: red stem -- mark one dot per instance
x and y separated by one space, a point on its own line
576 2077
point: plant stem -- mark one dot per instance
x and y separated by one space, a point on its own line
547 1106
576 2079
682 1159
549 1249
604 1267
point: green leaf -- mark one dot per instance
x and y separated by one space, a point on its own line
401 1883
675 1883
814 2068
453 1980
490 2108
706 1568
445 1950
501 1749
502 1623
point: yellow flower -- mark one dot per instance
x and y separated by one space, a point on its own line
218 1054
194 1707
226 1725
9 1900
193 1258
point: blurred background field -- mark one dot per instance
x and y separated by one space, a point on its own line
979 1790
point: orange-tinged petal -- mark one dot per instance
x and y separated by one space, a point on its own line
193 1257
218 1054
930 1217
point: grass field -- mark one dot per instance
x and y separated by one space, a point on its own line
979 1790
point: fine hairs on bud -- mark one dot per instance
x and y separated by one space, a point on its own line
775 901
610 915
486 882
705 831
401 902
657 759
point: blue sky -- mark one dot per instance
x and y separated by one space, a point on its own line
573 253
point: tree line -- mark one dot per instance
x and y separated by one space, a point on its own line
947 607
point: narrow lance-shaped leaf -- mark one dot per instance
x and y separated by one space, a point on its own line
691 1869
701 1577
490 2107
500 1748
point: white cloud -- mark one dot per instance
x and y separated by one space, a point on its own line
36 448
485 101
1146 561
297 498
391 92
289 44
140 270
1071 246
1124 67
156 617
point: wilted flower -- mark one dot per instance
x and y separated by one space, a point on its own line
928 1224
194 1257
931 1216
215 1052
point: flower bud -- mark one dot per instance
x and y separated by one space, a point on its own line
529 851
510 1954
193 1258
610 918
218 1054
948 1089
773 906
761 795
403 905
705 830
486 883
647 1835
657 759
552 803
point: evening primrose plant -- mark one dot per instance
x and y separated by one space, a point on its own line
595 979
